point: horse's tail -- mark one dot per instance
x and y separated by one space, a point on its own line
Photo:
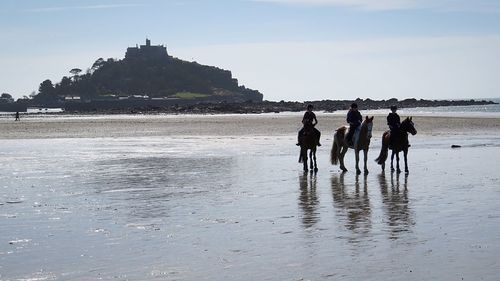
334 153
384 150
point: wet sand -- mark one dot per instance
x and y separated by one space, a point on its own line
204 198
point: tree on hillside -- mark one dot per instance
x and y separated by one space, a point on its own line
46 91
75 72
97 64
6 98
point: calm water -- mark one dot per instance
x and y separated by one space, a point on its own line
166 208
486 111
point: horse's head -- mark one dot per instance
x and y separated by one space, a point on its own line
408 126
368 124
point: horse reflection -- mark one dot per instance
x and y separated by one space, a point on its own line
308 199
353 207
396 205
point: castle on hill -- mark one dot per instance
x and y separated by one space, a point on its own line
146 51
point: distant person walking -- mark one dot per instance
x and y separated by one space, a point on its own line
394 123
309 121
354 119
17 116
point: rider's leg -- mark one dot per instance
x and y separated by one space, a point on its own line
299 136
318 136
350 135
348 138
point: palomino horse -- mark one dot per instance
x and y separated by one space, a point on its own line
308 142
400 144
340 145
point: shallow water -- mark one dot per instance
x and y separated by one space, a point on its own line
240 208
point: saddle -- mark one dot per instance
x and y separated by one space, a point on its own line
344 130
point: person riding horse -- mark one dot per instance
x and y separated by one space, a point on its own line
354 119
394 123
309 121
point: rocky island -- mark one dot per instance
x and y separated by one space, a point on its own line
149 80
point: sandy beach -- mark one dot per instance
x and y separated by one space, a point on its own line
68 126
222 197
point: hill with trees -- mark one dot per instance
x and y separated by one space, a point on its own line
146 73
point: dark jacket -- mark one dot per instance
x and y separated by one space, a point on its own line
393 121
354 118
308 118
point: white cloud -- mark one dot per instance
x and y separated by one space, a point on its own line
445 5
90 7
362 4
427 67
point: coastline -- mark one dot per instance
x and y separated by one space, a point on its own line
195 106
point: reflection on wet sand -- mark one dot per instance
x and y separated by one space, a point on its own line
352 206
150 186
308 199
396 205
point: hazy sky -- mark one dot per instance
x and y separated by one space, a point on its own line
287 49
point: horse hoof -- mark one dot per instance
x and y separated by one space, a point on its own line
358 172
344 170
407 172
392 169
366 172
399 171
315 170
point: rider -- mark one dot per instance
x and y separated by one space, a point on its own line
394 123
309 121
354 119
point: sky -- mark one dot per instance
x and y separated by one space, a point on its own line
294 50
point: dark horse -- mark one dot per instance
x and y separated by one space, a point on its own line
400 144
308 142
340 146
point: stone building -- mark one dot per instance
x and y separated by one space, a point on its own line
146 51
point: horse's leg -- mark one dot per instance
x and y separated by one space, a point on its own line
311 164
398 170
314 158
343 151
365 152
405 155
392 160
304 157
356 152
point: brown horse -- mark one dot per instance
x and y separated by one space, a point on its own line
308 142
400 144
340 146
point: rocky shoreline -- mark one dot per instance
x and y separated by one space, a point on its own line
282 106
193 107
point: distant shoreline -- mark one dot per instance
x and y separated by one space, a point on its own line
194 107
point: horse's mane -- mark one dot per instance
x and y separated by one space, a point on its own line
341 129
405 122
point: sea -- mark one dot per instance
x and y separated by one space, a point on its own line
241 208
490 110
